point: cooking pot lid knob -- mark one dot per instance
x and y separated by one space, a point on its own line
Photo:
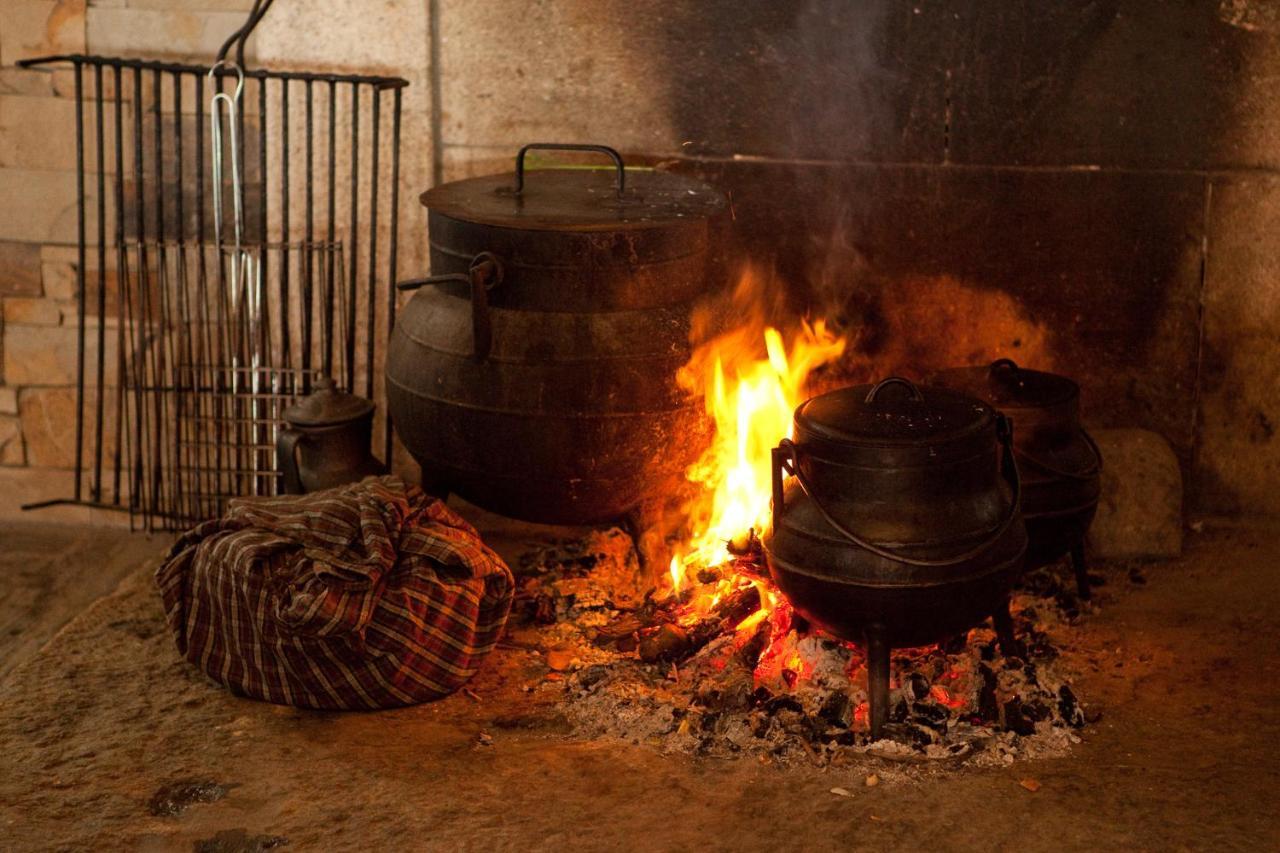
1004 364
894 380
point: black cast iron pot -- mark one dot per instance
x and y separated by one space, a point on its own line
900 524
1059 463
535 377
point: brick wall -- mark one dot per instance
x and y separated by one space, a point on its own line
38 257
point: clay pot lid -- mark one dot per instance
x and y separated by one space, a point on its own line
1005 385
577 198
326 405
894 411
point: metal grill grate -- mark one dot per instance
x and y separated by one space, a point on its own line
169 427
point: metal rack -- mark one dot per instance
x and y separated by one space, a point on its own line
169 426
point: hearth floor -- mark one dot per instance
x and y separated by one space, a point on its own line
105 714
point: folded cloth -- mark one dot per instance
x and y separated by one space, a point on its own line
370 595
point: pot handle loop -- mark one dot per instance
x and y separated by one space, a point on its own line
785 457
287 441
484 274
1003 364
783 460
1087 474
894 380
621 183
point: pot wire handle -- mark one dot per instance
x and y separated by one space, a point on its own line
1087 474
1034 461
621 183
894 380
785 458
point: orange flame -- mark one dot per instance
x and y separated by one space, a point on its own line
751 382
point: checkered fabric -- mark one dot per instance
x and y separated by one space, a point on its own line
371 595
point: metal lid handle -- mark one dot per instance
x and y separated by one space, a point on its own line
894 380
1003 363
621 183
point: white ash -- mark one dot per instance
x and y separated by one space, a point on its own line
805 698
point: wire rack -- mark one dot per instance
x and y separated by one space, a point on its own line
170 425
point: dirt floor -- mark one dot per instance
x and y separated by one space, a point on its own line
99 721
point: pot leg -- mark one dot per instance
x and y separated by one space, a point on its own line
1003 622
1082 571
644 525
878 679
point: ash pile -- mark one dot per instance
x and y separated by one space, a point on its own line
727 668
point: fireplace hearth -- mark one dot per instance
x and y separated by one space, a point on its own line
725 668
853 426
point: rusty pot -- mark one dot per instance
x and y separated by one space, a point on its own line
1061 466
899 524
534 373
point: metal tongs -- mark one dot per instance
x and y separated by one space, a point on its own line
245 315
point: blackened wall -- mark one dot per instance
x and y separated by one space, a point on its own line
1088 186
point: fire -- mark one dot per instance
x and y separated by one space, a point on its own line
751 380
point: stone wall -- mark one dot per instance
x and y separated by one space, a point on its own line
38 257
1089 186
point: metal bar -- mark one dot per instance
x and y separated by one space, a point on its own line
182 371
307 279
371 315
263 343
100 399
328 325
80 278
388 437
165 490
221 451
353 237
139 326
121 412
257 73
285 341
158 364
204 319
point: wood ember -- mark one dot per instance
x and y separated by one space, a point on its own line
707 672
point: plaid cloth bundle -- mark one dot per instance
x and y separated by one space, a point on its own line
371 595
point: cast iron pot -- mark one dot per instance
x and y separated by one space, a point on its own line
900 523
536 376
1060 465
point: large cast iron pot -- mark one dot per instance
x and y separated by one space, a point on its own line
1061 466
899 525
536 375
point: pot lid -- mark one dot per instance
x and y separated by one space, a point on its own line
576 198
327 406
894 411
1005 385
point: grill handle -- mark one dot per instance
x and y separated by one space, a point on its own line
484 274
620 184
785 459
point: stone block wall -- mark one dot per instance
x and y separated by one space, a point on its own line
1088 186
38 213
